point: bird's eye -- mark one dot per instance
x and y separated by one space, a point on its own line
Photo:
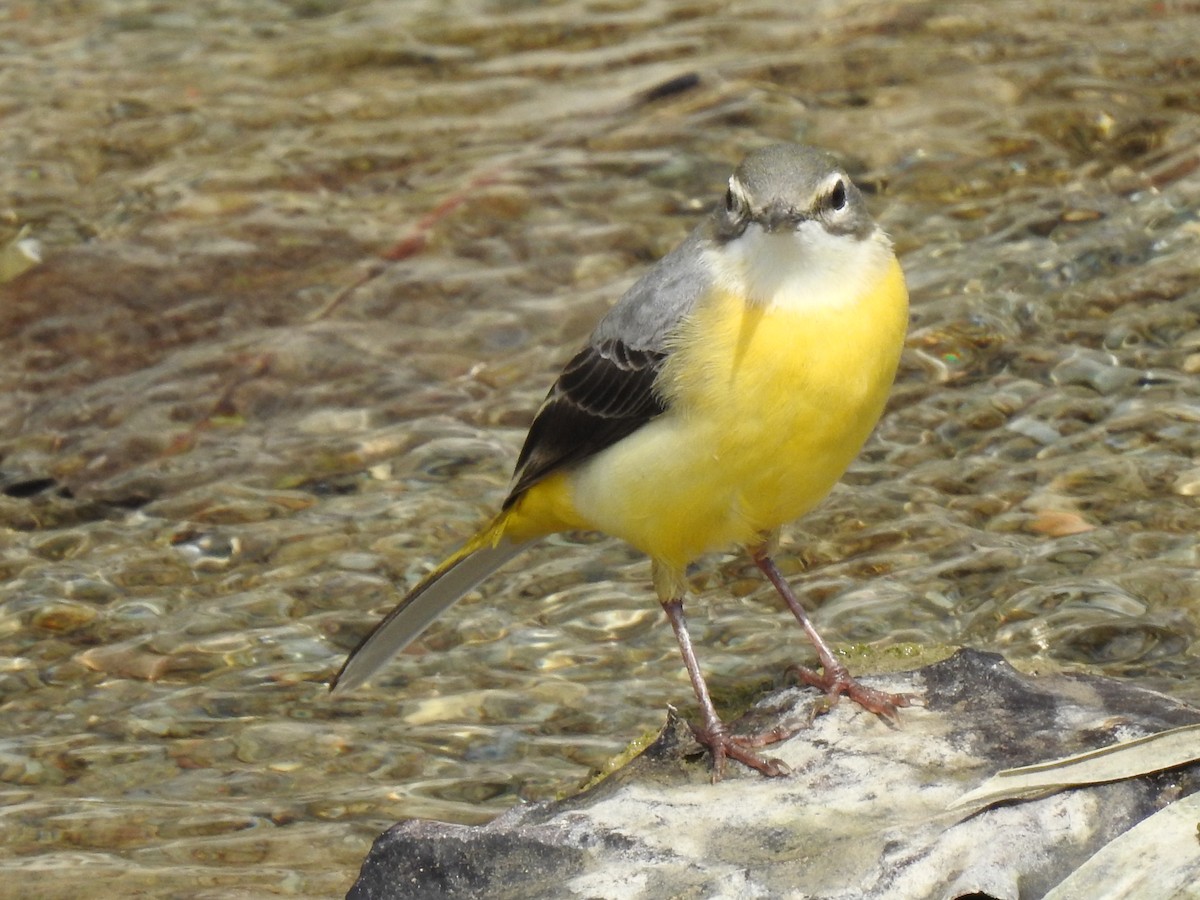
837 197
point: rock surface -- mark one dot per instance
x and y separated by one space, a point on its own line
863 814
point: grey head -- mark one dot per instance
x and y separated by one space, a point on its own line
781 186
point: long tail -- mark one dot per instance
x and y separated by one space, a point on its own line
464 569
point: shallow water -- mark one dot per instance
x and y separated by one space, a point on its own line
309 267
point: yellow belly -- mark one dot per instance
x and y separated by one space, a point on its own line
766 409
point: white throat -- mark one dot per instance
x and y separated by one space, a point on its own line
805 269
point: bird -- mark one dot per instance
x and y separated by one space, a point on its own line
721 398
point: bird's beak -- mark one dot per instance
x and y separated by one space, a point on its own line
777 219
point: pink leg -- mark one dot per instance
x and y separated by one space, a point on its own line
713 734
835 679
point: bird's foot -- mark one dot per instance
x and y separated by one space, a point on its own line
835 680
723 746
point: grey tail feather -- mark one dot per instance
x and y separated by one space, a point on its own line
418 610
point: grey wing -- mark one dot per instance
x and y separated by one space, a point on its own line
608 390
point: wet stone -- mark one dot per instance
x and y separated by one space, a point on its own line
636 834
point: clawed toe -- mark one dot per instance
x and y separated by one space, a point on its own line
722 745
837 682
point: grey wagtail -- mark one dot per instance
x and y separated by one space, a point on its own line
722 397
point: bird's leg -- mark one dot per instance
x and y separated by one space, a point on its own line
835 679
713 734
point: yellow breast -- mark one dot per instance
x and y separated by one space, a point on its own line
767 406
792 394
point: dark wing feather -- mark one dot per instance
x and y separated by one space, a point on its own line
607 391
604 394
